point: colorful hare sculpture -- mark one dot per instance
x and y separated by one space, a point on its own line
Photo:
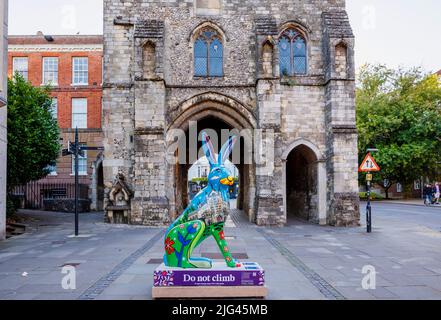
205 216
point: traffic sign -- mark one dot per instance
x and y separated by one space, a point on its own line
66 152
369 164
92 148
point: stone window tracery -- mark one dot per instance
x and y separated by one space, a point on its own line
208 54
292 48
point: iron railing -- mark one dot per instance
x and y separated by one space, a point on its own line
32 195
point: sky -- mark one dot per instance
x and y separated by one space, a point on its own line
397 33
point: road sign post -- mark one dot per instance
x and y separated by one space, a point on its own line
369 207
75 150
369 165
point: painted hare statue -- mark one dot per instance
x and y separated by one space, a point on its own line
205 216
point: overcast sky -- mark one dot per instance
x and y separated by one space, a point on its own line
395 32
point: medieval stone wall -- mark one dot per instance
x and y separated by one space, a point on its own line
141 106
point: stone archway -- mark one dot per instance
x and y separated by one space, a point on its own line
305 182
97 187
215 114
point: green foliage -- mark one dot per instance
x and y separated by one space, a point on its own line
33 134
399 113
374 196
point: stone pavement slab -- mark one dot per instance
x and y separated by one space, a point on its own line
302 261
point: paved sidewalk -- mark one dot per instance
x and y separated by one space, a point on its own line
412 202
302 261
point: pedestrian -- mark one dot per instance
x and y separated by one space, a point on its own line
437 193
427 193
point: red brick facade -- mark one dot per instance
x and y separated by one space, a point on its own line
65 48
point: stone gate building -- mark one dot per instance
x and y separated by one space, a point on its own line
282 65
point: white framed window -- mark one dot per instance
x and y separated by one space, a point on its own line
50 70
54 108
399 187
20 65
82 164
79 113
80 71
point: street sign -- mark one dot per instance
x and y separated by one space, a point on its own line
65 152
92 148
369 164
369 177
77 150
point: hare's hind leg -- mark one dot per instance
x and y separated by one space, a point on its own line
180 243
199 262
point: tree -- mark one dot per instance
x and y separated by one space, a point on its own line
399 113
33 134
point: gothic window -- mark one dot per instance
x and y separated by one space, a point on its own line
292 48
208 54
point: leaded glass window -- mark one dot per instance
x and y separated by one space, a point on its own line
292 51
208 54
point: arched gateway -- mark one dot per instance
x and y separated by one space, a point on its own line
214 113
285 83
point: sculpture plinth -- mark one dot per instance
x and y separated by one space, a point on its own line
250 274
220 281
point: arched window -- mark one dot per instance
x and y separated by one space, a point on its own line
208 54
292 48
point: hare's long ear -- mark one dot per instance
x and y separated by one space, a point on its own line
226 150
208 148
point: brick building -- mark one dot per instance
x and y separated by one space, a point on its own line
283 67
72 66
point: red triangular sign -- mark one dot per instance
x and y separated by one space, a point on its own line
369 164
